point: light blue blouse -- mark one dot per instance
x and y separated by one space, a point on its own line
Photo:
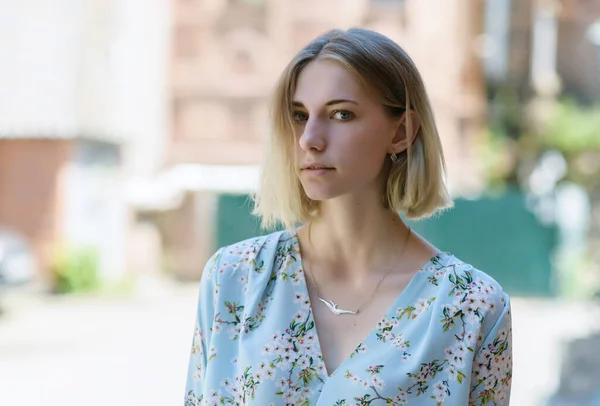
445 341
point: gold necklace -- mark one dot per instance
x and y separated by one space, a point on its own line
331 304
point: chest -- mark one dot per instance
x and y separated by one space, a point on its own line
285 360
284 348
341 335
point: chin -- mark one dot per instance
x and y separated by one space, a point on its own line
321 194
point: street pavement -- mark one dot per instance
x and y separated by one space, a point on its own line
96 350
132 351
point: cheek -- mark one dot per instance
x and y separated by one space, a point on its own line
365 148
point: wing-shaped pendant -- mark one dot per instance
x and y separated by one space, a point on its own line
334 309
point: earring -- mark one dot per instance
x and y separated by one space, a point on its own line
393 157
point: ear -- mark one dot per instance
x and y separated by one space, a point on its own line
409 125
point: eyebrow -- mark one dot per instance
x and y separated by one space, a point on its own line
296 103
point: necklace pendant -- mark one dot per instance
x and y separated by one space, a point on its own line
334 308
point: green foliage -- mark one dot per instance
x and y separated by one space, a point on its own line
512 144
76 270
494 150
574 129
500 146
506 115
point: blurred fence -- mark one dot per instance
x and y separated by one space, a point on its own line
496 234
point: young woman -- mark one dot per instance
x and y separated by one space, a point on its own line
352 307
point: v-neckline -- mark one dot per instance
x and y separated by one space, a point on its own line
392 308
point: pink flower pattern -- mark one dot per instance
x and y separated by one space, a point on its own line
446 340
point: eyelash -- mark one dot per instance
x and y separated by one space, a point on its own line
333 113
351 114
295 115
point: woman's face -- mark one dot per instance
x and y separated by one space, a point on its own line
343 133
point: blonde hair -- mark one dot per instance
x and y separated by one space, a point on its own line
416 182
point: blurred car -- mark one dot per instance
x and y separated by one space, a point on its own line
17 262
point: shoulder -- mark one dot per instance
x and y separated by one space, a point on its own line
249 250
255 253
237 275
467 292
462 277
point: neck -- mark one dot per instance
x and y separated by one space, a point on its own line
354 239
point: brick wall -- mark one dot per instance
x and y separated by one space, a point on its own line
30 192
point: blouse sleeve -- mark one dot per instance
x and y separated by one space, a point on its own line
194 391
492 365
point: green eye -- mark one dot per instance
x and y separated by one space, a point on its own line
299 117
343 115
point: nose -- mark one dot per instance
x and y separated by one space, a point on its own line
312 137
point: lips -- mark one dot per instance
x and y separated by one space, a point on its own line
312 167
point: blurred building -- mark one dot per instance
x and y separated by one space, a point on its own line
578 59
545 46
121 117
226 57
82 117
63 191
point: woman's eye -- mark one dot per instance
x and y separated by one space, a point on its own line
299 117
342 115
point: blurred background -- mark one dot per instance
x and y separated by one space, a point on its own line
131 131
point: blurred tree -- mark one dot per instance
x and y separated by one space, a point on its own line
75 269
574 130
523 131
515 140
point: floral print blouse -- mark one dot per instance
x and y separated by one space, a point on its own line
445 341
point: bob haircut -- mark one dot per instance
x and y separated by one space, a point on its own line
415 183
